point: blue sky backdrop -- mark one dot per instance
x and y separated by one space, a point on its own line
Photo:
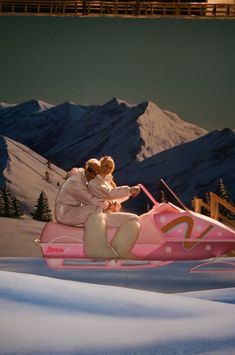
184 66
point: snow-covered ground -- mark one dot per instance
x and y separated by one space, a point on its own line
17 235
45 311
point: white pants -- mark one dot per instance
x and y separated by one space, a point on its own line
95 237
116 219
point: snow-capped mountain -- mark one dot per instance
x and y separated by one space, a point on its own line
190 169
147 144
211 157
161 130
69 134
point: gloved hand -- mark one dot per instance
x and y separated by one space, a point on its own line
134 190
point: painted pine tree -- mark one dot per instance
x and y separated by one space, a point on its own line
18 209
8 207
1 204
42 211
222 192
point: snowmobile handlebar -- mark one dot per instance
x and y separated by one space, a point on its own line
142 187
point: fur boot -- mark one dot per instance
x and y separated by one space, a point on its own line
125 239
95 238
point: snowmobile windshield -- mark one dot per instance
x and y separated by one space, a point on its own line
166 194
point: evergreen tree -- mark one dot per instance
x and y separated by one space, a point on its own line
8 206
2 211
42 211
222 192
18 209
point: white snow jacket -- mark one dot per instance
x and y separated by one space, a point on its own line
74 202
102 189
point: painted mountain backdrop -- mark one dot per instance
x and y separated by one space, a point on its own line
147 143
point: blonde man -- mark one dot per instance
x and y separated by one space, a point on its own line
103 187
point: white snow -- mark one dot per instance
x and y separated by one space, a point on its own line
223 295
155 127
44 105
6 105
42 315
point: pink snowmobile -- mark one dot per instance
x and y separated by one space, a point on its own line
168 234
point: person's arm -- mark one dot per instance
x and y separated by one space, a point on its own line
72 172
80 192
102 190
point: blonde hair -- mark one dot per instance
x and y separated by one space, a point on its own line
107 169
105 159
